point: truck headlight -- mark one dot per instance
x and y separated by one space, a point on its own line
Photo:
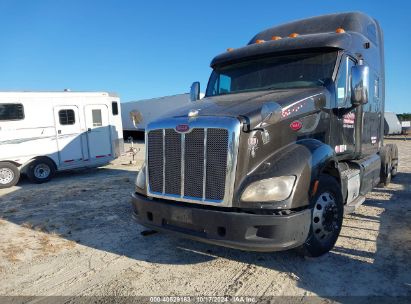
141 178
270 189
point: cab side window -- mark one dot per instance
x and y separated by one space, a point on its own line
343 90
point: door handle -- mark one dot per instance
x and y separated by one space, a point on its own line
59 131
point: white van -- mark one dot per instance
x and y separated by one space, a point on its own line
45 132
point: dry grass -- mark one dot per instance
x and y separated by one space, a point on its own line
51 244
27 225
11 253
41 227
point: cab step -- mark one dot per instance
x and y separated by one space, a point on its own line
350 208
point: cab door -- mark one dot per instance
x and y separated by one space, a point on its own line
345 128
98 132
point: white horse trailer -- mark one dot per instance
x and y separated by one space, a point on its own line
137 114
392 125
45 132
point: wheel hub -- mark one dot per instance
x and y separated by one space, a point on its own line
325 217
6 176
41 171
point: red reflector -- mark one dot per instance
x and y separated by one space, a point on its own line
100 156
69 160
296 125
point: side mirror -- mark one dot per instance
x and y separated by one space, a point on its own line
360 79
270 113
195 91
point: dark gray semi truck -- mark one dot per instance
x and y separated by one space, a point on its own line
288 139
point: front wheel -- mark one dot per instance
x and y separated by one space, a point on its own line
40 170
326 219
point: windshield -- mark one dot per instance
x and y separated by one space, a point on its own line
279 72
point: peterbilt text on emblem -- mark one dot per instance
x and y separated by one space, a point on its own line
182 128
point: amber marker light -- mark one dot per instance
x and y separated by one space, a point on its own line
340 30
230 49
259 41
293 35
275 38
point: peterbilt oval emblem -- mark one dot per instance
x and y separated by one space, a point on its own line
296 125
182 128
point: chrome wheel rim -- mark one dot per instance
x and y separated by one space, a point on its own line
325 217
6 176
41 171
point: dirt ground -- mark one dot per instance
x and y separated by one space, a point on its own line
75 236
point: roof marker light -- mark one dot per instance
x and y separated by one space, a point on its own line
230 49
275 38
259 41
293 35
340 30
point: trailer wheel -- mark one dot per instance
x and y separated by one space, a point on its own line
40 170
9 175
386 166
327 217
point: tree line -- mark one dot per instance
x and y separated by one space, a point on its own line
404 116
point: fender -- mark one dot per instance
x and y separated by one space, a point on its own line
305 159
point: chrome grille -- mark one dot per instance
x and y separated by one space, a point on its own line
216 151
172 151
192 166
155 160
194 163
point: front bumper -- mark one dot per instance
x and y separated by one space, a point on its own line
244 231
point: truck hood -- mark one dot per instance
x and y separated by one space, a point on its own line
245 104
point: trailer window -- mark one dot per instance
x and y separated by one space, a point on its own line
67 117
11 111
114 107
97 121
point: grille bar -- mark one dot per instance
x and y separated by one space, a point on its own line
183 153
172 167
155 160
216 149
194 163
205 164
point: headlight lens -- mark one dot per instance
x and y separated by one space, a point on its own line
271 189
141 178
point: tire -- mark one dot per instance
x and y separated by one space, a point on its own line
40 170
386 166
326 219
9 175
394 159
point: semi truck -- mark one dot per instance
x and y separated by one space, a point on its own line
288 139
